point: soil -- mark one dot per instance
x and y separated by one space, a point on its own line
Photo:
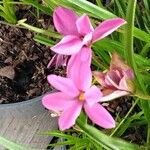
23 62
22 65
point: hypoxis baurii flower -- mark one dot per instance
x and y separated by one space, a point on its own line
74 93
117 81
78 31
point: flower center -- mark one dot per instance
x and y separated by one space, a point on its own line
81 96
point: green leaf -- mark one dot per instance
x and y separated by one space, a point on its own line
126 124
111 45
44 40
38 30
93 9
104 140
37 5
128 35
59 134
141 95
12 146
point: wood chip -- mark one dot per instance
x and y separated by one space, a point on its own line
8 72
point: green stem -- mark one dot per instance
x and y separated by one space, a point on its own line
129 53
99 3
38 30
122 121
107 142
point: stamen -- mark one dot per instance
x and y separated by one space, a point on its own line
81 96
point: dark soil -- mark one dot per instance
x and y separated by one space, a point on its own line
25 77
23 62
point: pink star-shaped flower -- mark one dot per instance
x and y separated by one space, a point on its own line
74 93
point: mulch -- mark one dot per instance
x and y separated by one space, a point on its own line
23 65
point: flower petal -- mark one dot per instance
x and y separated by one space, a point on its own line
87 40
68 45
57 61
65 21
99 115
114 95
79 70
84 25
127 84
65 85
56 101
107 27
93 95
113 78
117 63
100 77
69 116
86 55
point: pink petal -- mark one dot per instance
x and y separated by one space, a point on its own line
107 27
114 95
56 101
123 84
84 25
117 63
126 84
65 21
57 61
65 85
129 73
79 70
69 116
100 116
112 78
87 40
86 55
52 61
68 45
100 77
93 95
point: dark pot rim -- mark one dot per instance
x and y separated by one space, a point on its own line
26 102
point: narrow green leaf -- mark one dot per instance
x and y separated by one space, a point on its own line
37 5
111 45
12 146
38 30
43 40
128 34
59 134
104 140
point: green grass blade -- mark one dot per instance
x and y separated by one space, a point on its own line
86 6
107 142
128 34
43 40
12 146
111 45
38 30
39 6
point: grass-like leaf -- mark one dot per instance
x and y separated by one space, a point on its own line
104 140
12 146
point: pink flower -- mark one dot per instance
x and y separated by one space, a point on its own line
78 31
75 93
117 81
